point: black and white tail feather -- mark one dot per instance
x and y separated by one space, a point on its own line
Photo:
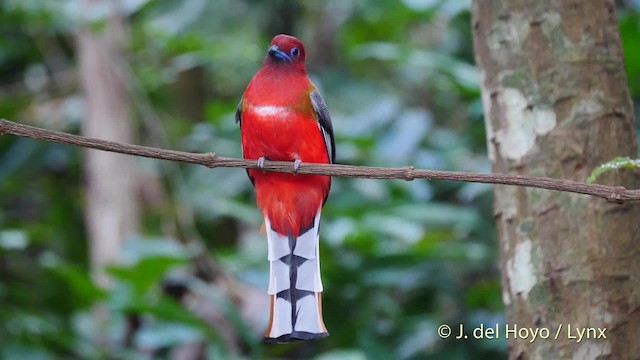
295 286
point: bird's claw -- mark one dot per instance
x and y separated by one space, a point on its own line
261 162
296 165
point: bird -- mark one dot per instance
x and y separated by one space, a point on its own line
283 117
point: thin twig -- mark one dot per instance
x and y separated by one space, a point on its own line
616 194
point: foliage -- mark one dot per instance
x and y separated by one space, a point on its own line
615 164
629 20
398 258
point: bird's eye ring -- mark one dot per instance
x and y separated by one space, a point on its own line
295 52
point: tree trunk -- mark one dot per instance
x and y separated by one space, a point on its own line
557 104
111 206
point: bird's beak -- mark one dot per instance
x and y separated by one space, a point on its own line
275 52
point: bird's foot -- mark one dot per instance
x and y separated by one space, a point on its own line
261 162
296 165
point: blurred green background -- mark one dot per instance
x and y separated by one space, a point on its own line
398 258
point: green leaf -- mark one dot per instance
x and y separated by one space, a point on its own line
145 274
13 239
615 164
159 334
167 309
84 291
137 249
343 354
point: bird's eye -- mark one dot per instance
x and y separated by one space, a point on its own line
295 52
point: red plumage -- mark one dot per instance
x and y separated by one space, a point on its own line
290 201
284 118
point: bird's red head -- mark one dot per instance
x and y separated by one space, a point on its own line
286 50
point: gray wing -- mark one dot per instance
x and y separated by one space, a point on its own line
239 121
324 123
239 113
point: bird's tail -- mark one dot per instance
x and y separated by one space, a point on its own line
295 287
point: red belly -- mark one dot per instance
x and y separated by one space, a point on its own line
289 201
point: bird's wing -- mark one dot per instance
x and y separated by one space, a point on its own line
239 113
324 122
239 121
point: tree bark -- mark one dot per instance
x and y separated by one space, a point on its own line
557 104
111 205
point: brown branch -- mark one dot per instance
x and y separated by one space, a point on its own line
616 194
